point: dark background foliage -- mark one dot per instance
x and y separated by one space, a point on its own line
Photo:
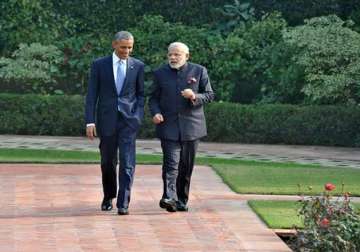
227 122
238 41
265 53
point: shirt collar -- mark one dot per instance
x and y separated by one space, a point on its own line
115 59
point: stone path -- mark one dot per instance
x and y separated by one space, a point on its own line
56 208
328 156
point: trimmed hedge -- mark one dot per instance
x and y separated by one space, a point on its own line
227 122
285 124
41 115
61 115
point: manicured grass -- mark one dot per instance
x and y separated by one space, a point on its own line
280 214
62 156
286 178
241 175
277 214
46 156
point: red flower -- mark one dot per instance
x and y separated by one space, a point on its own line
324 223
329 187
191 80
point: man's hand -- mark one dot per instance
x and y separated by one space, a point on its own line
188 94
91 132
158 118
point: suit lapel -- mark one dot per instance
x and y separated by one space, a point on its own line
129 73
110 73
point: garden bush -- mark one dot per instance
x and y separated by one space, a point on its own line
227 122
41 115
32 67
328 52
286 124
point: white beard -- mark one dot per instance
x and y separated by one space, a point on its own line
177 65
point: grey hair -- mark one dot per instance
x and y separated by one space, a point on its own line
179 45
123 35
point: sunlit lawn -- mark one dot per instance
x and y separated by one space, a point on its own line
287 178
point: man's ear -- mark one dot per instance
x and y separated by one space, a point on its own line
113 44
187 56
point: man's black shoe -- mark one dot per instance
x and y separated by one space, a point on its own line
181 207
106 205
168 204
123 211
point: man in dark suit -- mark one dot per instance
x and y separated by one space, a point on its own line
116 96
180 89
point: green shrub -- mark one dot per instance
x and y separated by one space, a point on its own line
241 68
49 115
33 66
328 52
227 122
286 124
41 115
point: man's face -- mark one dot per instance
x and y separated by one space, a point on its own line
123 47
177 57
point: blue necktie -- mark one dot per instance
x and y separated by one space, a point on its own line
120 76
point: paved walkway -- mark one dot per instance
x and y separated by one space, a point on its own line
329 156
56 208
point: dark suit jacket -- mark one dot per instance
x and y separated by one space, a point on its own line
183 119
103 99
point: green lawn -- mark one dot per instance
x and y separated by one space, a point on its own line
241 175
286 178
61 156
279 214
